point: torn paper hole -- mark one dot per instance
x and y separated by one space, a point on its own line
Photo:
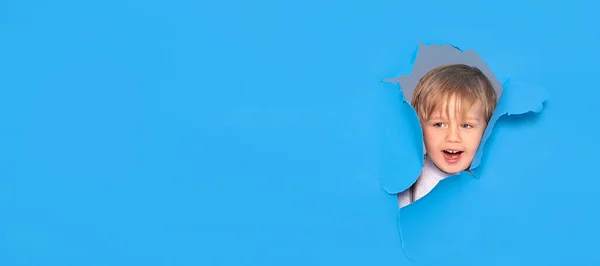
512 98
454 94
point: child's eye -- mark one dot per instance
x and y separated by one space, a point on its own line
467 126
438 125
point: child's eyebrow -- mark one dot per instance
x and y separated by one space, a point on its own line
470 118
437 117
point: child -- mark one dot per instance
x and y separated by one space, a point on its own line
454 103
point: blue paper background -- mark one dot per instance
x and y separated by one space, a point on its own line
250 133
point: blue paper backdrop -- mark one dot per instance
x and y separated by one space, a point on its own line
250 133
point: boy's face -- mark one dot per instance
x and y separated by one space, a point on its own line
451 141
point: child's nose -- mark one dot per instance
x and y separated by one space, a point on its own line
452 135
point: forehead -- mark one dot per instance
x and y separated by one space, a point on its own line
454 108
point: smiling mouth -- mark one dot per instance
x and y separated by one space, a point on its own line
452 156
453 151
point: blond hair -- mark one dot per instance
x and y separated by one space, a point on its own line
465 84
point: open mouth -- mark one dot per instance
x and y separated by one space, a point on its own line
452 156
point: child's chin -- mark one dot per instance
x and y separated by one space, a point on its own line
452 169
